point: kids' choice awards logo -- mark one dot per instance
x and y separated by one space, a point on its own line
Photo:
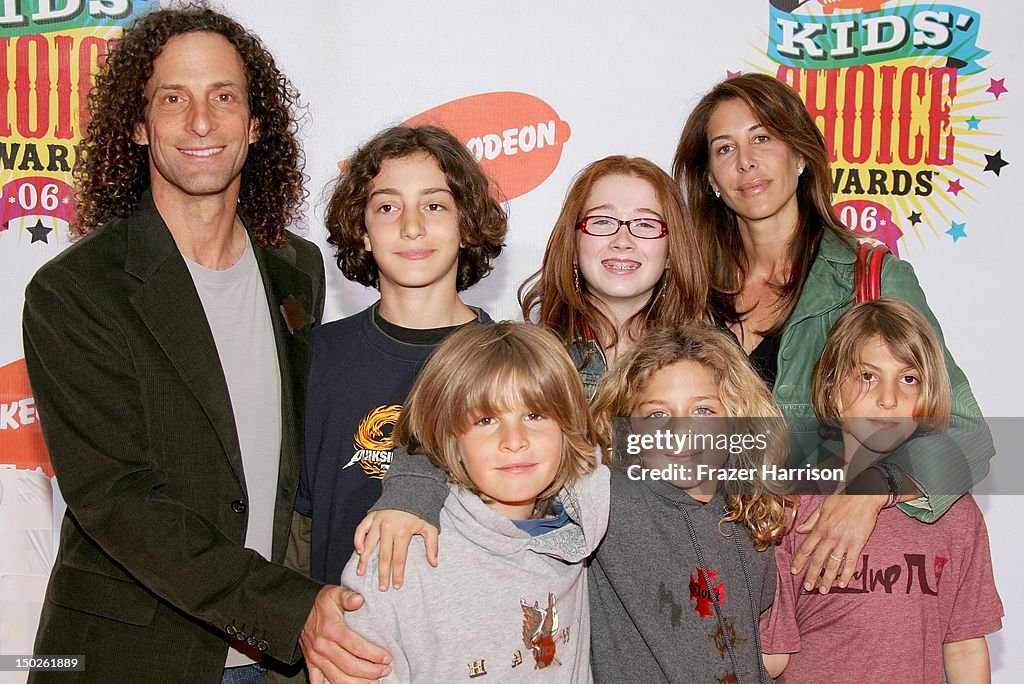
906 105
516 137
38 208
49 51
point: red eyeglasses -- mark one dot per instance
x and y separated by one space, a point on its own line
645 228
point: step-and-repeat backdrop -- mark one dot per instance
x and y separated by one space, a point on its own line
919 104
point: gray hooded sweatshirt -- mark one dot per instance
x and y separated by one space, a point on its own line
501 605
650 606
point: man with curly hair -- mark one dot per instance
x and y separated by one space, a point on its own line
167 350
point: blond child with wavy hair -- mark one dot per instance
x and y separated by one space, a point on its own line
679 582
704 354
714 534
881 381
500 411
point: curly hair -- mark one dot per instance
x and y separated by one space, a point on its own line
777 107
550 296
483 222
753 503
478 371
112 171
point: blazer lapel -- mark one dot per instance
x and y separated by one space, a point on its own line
168 304
289 293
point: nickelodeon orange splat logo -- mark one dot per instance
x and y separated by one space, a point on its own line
516 137
21 439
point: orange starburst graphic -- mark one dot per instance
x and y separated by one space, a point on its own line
374 431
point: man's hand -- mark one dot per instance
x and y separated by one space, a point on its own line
394 530
333 651
836 534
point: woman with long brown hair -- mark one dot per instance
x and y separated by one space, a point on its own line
755 174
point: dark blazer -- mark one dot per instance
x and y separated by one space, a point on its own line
152 579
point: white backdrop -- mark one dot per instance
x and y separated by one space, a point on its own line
595 78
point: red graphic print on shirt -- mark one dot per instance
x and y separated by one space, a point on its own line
704 595
539 627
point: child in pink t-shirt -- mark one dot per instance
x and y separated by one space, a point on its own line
922 597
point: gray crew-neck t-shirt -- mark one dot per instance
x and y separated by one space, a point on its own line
236 308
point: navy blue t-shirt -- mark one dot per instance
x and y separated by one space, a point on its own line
359 378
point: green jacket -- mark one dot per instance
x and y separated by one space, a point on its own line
943 466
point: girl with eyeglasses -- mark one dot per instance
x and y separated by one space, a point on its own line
619 262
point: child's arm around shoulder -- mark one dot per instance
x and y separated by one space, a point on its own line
588 501
942 465
414 493
414 485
